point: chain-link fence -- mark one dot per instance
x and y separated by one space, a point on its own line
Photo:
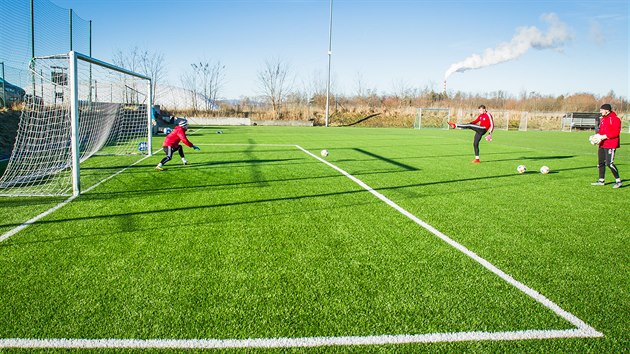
32 28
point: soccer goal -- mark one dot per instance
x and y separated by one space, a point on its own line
77 107
432 118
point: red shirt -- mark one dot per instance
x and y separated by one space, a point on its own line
485 120
610 126
173 138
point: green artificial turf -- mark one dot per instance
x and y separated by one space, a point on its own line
258 239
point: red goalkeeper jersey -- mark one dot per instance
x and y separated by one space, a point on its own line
173 138
485 120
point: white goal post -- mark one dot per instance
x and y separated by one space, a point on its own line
432 118
77 107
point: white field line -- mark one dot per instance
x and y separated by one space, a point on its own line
281 145
583 330
62 204
581 325
287 342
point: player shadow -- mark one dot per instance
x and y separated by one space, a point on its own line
162 213
388 160
248 184
166 211
533 158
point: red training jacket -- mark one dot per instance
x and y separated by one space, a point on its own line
610 126
173 138
485 120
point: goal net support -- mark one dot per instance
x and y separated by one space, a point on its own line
77 107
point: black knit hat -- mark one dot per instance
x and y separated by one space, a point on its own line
606 106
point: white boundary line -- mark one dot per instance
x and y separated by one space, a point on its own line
581 325
287 342
62 204
583 330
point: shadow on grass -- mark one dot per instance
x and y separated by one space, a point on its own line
192 165
253 184
388 160
12 202
533 158
165 211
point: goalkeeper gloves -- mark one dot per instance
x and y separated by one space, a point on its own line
195 147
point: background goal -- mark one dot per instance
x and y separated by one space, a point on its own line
432 118
77 107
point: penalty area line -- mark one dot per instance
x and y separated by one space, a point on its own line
581 325
62 204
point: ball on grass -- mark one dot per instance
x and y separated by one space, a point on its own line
544 170
324 153
521 169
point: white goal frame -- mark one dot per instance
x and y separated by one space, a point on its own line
74 110
53 139
419 114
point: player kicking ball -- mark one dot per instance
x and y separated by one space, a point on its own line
484 123
171 144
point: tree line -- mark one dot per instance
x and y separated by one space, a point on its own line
281 98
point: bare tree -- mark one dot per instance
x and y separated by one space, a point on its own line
129 60
189 83
143 62
212 80
359 85
152 65
273 80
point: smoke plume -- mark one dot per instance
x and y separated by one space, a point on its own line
525 38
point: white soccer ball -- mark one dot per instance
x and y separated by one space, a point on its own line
521 168
595 139
324 153
544 170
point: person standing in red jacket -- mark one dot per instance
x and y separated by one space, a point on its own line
609 130
171 144
484 123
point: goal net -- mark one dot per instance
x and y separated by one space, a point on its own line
77 107
432 118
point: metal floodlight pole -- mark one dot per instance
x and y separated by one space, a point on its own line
329 60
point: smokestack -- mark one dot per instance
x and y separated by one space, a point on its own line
445 87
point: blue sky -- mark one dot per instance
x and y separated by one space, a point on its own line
385 46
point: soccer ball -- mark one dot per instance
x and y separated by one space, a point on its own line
544 170
521 168
324 153
595 139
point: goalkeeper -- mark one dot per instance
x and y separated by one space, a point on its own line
171 144
609 130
